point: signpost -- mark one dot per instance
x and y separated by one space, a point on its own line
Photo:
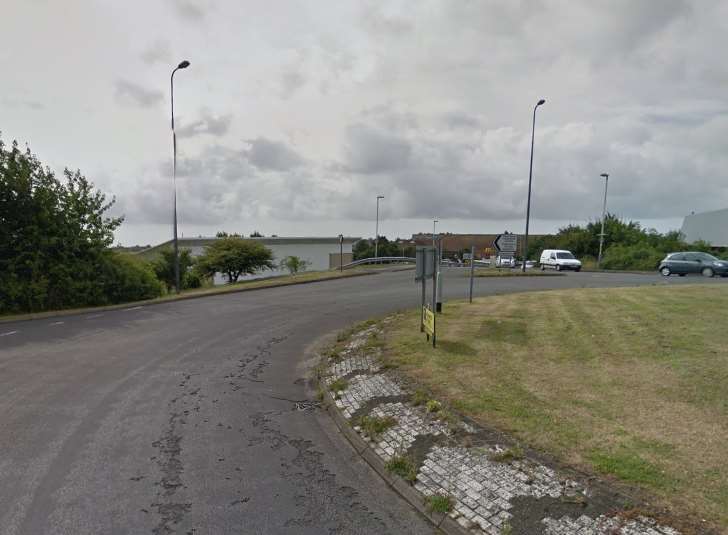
426 268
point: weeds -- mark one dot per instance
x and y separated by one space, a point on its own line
403 466
337 386
373 426
514 453
433 406
439 503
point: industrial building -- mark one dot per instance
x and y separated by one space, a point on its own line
707 226
321 253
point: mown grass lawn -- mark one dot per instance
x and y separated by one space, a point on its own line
630 382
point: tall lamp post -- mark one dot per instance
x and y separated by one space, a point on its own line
604 216
376 239
182 65
434 222
530 177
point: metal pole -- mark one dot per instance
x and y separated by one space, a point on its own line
604 216
422 308
174 184
376 239
438 305
530 178
341 252
472 269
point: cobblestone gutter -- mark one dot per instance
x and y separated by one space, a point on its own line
486 487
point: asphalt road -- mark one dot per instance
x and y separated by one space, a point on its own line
192 416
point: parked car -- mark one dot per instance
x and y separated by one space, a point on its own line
505 261
559 259
693 262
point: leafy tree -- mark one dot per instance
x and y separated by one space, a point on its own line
294 264
54 237
234 257
256 234
164 268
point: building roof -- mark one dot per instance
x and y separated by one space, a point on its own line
265 240
707 226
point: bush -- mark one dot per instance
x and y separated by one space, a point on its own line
640 257
124 277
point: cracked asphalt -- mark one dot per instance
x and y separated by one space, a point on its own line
195 416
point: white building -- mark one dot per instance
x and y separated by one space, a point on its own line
320 253
707 226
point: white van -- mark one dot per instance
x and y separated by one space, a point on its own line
559 259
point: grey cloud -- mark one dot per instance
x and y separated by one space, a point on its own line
24 103
370 150
291 81
130 93
157 52
214 125
266 154
189 10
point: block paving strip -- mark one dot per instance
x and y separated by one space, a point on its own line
411 423
482 488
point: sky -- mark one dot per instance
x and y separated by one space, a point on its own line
294 115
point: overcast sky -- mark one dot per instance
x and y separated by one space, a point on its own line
293 116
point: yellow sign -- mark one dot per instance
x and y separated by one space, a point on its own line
428 317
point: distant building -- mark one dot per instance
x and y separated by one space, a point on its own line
707 226
456 244
321 253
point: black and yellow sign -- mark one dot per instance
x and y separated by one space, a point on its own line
428 320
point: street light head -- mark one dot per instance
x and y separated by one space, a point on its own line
380 196
183 65
542 101
604 175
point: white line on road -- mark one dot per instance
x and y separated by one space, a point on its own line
8 333
93 316
134 308
58 323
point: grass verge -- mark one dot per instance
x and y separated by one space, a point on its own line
514 272
629 382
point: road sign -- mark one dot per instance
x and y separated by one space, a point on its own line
425 263
506 243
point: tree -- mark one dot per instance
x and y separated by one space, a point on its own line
163 267
294 264
256 234
234 257
365 248
54 236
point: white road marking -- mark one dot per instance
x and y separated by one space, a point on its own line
134 308
8 333
57 323
93 316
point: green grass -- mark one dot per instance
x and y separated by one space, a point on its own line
438 503
508 455
403 466
629 382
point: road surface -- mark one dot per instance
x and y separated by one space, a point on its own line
194 416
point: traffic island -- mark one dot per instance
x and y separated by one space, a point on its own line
462 476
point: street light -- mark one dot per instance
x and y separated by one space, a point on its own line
604 216
434 222
530 177
376 240
182 65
